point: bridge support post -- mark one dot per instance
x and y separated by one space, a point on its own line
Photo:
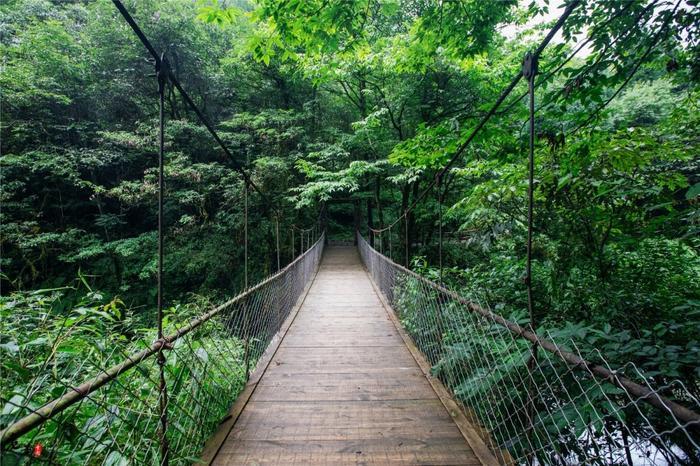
440 300
277 240
356 218
370 222
391 254
406 246
246 337
529 73
162 72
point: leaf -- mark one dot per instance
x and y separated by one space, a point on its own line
116 459
693 191
564 180
12 405
11 347
202 354
69 348
37 342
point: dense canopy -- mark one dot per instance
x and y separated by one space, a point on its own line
336 107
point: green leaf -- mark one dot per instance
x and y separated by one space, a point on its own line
115 458
693 191
11 347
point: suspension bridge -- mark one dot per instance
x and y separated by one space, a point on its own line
342 387
355 359
349 357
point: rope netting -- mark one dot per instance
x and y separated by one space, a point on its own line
103 406
539 398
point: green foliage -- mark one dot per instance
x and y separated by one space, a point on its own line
644 103
321 27
430 148
363 101
50 344
323 185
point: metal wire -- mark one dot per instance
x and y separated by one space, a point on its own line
157 58
112 417
585 410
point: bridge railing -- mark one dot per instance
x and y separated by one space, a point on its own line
105 407
539 399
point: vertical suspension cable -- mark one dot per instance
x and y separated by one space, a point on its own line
162 75
391 254
439 306
405 218
529 73
276 303
245 235
293 245
244 307
277 239
439 196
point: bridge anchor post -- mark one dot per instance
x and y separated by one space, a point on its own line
162 74
529 73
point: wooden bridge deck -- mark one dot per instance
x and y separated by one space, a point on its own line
343 388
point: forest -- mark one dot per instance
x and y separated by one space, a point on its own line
338 109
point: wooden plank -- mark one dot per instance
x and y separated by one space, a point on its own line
350 331
345 308
349 420
340 318
361 359
326 341
343 302
344 386
365 324
404 451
